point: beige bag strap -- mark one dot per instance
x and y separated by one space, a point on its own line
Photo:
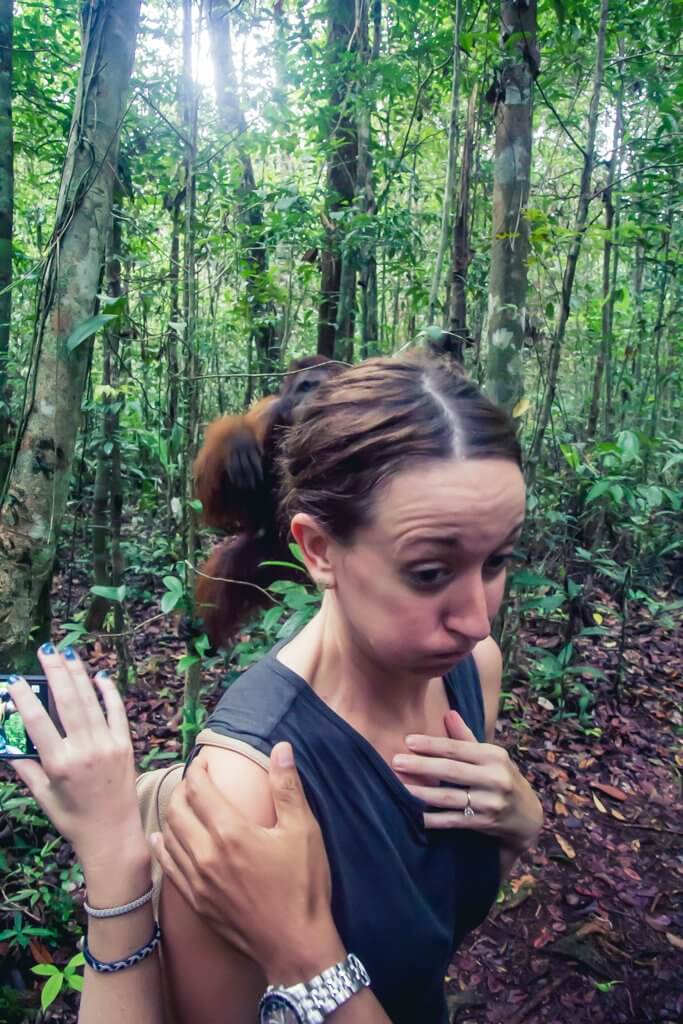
155 790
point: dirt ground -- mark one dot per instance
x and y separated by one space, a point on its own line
590 928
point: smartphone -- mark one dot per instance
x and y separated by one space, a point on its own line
14 740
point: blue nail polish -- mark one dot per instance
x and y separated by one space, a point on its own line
103 674
15 679
47 648
70 654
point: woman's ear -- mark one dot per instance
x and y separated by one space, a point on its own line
315 546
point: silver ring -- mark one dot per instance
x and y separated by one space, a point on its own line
469 811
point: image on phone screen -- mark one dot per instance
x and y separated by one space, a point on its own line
14 740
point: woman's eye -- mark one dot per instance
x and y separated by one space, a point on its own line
428 575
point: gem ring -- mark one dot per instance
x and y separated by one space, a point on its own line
469 811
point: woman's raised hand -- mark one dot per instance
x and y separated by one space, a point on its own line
501 802
85 780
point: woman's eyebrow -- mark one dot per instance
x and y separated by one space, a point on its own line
450 541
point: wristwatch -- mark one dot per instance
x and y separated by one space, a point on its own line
313 1001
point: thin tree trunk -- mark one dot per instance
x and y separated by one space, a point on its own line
451 168
511 173
34 507
261 312
192 688
6 219
610 257
457 313
174 205
341 185
574 251
102 511
664 268
368 204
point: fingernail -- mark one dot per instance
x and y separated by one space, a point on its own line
70 654
412 741
102 674
284 755
15 679
400 761
47 648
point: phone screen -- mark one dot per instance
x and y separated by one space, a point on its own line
14 740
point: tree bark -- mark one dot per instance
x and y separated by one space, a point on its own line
36 497
451 168
192 685
6 220
341 183
610 261
368 204
457 313
102 513
511 173
580 223
261 312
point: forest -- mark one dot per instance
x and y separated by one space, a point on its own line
195 192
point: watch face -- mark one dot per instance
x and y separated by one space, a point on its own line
276 1008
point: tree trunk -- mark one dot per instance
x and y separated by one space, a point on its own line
341 183
511 172
574 251
192 687
457 313
34 506
610 260
261 311
368 205
6 218
451 167
102 510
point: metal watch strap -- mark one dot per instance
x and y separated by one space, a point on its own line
330 989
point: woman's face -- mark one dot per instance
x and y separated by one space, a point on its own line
419 586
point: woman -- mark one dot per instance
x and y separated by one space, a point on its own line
402 487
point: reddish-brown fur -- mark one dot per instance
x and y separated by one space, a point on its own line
236 480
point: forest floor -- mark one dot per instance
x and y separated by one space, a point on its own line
590 926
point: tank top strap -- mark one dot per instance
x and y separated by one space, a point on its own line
463 688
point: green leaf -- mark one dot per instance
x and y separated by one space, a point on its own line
75 981
51 989
169 601
87 329
78 960
173 584
529 578
597 490
186 662
117 594
45 970
543 604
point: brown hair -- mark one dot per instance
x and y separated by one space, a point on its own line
376 419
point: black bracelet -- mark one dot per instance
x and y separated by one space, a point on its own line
112 966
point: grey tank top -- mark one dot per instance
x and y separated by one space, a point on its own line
403 897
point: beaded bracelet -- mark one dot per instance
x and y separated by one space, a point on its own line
112 966
118 911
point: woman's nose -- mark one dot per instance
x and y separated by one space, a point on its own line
468 613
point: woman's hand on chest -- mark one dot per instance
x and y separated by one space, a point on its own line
470 785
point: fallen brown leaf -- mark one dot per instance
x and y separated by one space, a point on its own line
565 846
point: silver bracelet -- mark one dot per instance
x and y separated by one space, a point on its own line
118 911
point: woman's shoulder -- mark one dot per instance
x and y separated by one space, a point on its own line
240 780
474 688
254 705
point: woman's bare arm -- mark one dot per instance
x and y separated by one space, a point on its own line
244 849
489 662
